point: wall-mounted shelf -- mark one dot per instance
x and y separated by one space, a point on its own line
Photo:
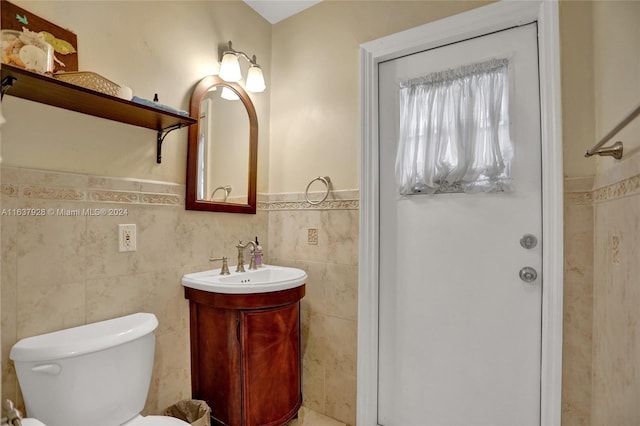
48 90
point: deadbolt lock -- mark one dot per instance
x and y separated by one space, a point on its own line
528 241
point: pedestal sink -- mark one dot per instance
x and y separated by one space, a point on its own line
245 343
266 279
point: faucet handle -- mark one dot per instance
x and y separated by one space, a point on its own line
225 266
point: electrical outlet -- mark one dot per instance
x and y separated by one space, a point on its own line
127 237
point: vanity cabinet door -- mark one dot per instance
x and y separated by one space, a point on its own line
270 340
215 362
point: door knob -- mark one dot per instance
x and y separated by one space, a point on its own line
528 274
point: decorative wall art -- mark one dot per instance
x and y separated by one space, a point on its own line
36 44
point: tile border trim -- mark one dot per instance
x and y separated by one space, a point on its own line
337 200
35 184
39 192
624 188
578 191
304 205
580 196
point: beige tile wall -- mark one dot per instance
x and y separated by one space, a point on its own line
578 302
616 295
602 294
62 268
329 309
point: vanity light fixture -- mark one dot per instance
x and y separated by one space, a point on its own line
230 69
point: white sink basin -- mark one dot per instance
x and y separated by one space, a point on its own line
263 280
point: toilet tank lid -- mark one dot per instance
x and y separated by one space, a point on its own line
84 339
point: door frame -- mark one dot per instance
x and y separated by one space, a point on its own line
476 22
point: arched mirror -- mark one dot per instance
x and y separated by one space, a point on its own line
222 152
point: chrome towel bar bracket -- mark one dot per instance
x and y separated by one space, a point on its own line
616 149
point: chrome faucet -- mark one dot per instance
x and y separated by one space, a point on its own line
252 262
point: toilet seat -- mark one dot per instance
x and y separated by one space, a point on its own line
156 421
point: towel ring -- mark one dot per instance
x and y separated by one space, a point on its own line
225 188
327 182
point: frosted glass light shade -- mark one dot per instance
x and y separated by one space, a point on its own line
255 79
230 68
229 94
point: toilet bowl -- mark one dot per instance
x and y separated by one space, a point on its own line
93 375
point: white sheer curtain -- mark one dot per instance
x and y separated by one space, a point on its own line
454 131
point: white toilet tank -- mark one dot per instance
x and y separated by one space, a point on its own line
93 375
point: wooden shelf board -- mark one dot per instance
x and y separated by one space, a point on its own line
50 91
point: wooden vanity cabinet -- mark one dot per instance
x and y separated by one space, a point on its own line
246 356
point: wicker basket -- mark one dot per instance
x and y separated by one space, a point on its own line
90 80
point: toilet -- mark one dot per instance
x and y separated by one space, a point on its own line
93 375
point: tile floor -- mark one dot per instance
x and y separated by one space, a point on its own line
307 417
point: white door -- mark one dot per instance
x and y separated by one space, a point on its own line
459 330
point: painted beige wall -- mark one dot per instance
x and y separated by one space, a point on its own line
315 127
616 294
617 67
315 115
315 121
576 61
153 47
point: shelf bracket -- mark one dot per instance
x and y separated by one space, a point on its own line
162 133
7 82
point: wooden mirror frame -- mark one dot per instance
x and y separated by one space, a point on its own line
192 201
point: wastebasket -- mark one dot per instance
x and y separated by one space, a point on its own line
193 411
